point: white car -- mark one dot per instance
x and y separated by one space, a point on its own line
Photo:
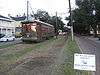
7 38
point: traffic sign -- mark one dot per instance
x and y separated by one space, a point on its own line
85 62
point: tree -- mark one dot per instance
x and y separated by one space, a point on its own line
97 9
57 23
42 15
53 20
84 17
81 25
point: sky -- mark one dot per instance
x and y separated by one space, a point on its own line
18 7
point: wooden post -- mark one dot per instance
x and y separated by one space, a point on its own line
27 9
56 26
71 21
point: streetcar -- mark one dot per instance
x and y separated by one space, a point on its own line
36 31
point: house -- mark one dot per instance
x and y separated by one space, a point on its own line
17 23
6 26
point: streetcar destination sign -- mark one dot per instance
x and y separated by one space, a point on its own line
85 62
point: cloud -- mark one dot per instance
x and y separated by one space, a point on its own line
15 7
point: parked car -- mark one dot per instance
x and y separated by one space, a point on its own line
7 38
2 35
99 36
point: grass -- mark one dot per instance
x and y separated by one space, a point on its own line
67 68
10 58
12 55
5 46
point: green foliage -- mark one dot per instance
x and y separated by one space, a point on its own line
81 24
54 20
67 68
42 15
71 48
57 23
84 17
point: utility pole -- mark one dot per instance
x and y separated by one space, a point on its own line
72 34
27 9
56 28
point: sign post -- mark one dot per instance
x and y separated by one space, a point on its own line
84 62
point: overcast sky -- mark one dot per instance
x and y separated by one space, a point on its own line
15 7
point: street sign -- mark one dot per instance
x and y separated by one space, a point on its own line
84 62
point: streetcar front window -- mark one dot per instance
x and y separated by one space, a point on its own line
33 28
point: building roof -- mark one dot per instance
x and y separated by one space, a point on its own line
3 18
18 18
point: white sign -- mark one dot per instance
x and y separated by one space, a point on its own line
84 62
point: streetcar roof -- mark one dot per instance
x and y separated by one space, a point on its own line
30 21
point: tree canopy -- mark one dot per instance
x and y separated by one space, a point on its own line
42 15
86 16
53 20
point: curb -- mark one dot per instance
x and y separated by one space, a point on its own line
79 45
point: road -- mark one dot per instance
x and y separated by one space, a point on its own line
89 46
17 40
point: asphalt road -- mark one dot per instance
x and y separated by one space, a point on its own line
90 46
17 40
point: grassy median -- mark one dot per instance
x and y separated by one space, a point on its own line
11 56
67 68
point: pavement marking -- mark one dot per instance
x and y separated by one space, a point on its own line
77 41
79 45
